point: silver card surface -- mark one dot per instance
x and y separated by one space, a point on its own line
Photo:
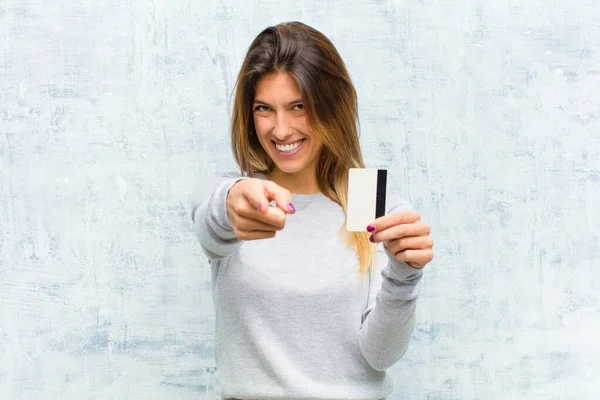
366 197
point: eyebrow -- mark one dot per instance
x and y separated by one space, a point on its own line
258 101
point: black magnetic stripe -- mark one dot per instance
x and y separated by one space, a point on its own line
380 199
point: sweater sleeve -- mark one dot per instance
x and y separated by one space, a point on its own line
389 320
209 213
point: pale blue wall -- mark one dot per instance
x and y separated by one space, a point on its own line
487 114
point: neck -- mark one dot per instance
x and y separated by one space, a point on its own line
303 182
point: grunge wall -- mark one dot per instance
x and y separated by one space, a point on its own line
486 113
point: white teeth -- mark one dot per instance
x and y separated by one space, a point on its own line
287 148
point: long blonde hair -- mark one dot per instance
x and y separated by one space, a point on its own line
330 101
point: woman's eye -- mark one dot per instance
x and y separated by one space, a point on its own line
261 109
299 107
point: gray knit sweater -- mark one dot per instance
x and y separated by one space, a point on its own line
293 318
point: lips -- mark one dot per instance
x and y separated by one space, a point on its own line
288 143
292 152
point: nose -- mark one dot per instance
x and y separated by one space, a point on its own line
282 128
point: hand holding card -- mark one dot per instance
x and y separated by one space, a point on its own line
402 233
366 197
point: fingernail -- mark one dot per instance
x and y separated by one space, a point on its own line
290 207
370 228
259 207
372 239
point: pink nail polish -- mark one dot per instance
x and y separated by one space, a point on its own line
290 207
371 239
370 228
259 207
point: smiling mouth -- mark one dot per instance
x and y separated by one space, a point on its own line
289 149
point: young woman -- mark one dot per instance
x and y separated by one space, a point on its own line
304 309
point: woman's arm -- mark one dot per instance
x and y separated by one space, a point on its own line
209 214
389 320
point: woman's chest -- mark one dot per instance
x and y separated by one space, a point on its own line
299 266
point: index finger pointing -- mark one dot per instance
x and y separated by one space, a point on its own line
281 195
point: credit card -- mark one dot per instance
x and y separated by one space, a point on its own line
366 197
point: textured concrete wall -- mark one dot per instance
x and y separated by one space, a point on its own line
487 114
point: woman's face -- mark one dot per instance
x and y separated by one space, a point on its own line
282 125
